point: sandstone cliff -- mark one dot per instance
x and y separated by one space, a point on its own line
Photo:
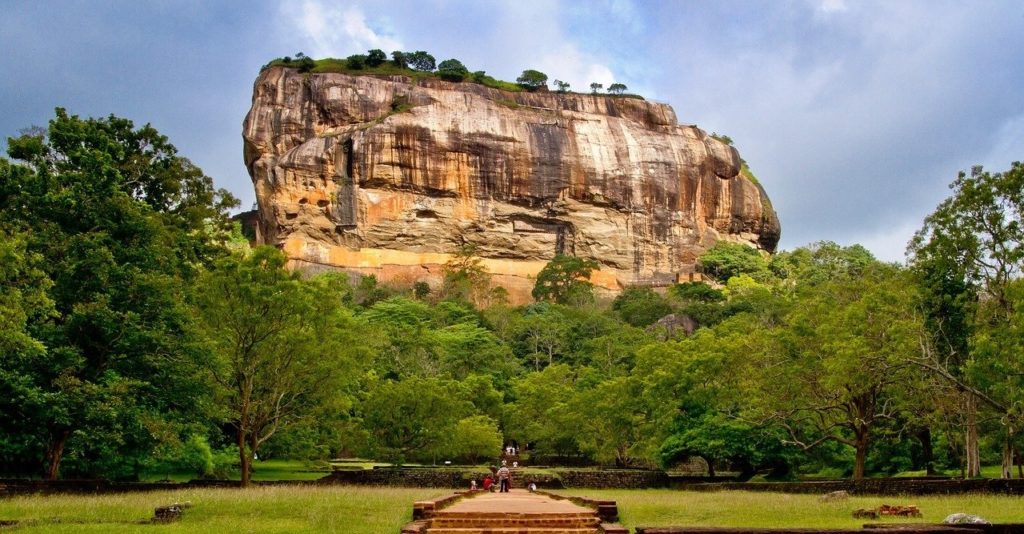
388 175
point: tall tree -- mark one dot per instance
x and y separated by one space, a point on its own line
532 79
565 279
119 220
971 249
280 346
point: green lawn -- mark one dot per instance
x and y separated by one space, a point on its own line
342 509
748 509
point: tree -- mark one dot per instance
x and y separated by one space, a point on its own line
120 223
562 86
595 87
420 60
465 277
475 438
564 280
452 70
971 249
356 61
375 57
640 306
843 361
400 59
280 346
415 418
531 80
617 88
725 260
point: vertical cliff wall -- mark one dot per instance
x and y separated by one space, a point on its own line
390 176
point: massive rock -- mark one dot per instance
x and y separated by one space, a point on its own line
391 175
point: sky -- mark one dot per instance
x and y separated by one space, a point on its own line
855 115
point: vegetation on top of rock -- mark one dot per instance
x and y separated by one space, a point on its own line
421 64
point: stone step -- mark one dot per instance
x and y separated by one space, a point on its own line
548 522
511 530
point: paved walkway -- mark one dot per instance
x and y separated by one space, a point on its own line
517 501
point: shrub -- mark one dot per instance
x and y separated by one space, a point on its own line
532 80
356 61
375 57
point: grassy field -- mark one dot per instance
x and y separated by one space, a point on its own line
748 509
342 509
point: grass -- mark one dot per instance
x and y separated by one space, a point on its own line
357 510
663 507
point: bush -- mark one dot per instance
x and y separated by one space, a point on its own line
532 80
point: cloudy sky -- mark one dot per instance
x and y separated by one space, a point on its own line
855 115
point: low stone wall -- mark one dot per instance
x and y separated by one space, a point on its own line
875 528
871 486
445 478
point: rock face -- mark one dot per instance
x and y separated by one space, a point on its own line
390 176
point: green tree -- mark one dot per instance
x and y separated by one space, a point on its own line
725 260
117 220
452 70
400 59
375 57
422 61
971 249
413 419
565 280
595 87
844 363
280 346
532 80
475 438
562 86
356 61
617 88
640 306
466 278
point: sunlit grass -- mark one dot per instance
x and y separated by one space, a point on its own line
663 507
342 509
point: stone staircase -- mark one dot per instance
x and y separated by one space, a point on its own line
516 513
513 523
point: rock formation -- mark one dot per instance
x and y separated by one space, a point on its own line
392 175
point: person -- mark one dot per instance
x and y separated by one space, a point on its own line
515 464
504 479
488 482
472 485
533 487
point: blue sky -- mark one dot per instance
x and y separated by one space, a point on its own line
855 115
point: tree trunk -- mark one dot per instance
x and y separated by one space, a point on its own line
927 452
711 466
55 453
244 457
1006 470
861 446
972 452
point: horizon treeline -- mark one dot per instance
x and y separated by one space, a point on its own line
140 333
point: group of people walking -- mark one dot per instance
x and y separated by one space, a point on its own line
504 481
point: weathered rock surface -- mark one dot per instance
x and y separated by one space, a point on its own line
390 176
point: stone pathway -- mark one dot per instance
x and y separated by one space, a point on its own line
516 512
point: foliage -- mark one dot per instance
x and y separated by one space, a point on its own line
375 57
725 260
420 60
565 279
280 347
641 306
617 88
452 70
356 61
595 87
476 438
532 80
562 86
109 226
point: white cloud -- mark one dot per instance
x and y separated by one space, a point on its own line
832 6
333 31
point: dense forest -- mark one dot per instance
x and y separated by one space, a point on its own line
139 330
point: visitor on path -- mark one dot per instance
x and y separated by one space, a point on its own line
488 483
532 487
504 479
472 485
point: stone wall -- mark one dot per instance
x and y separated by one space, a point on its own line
871 486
